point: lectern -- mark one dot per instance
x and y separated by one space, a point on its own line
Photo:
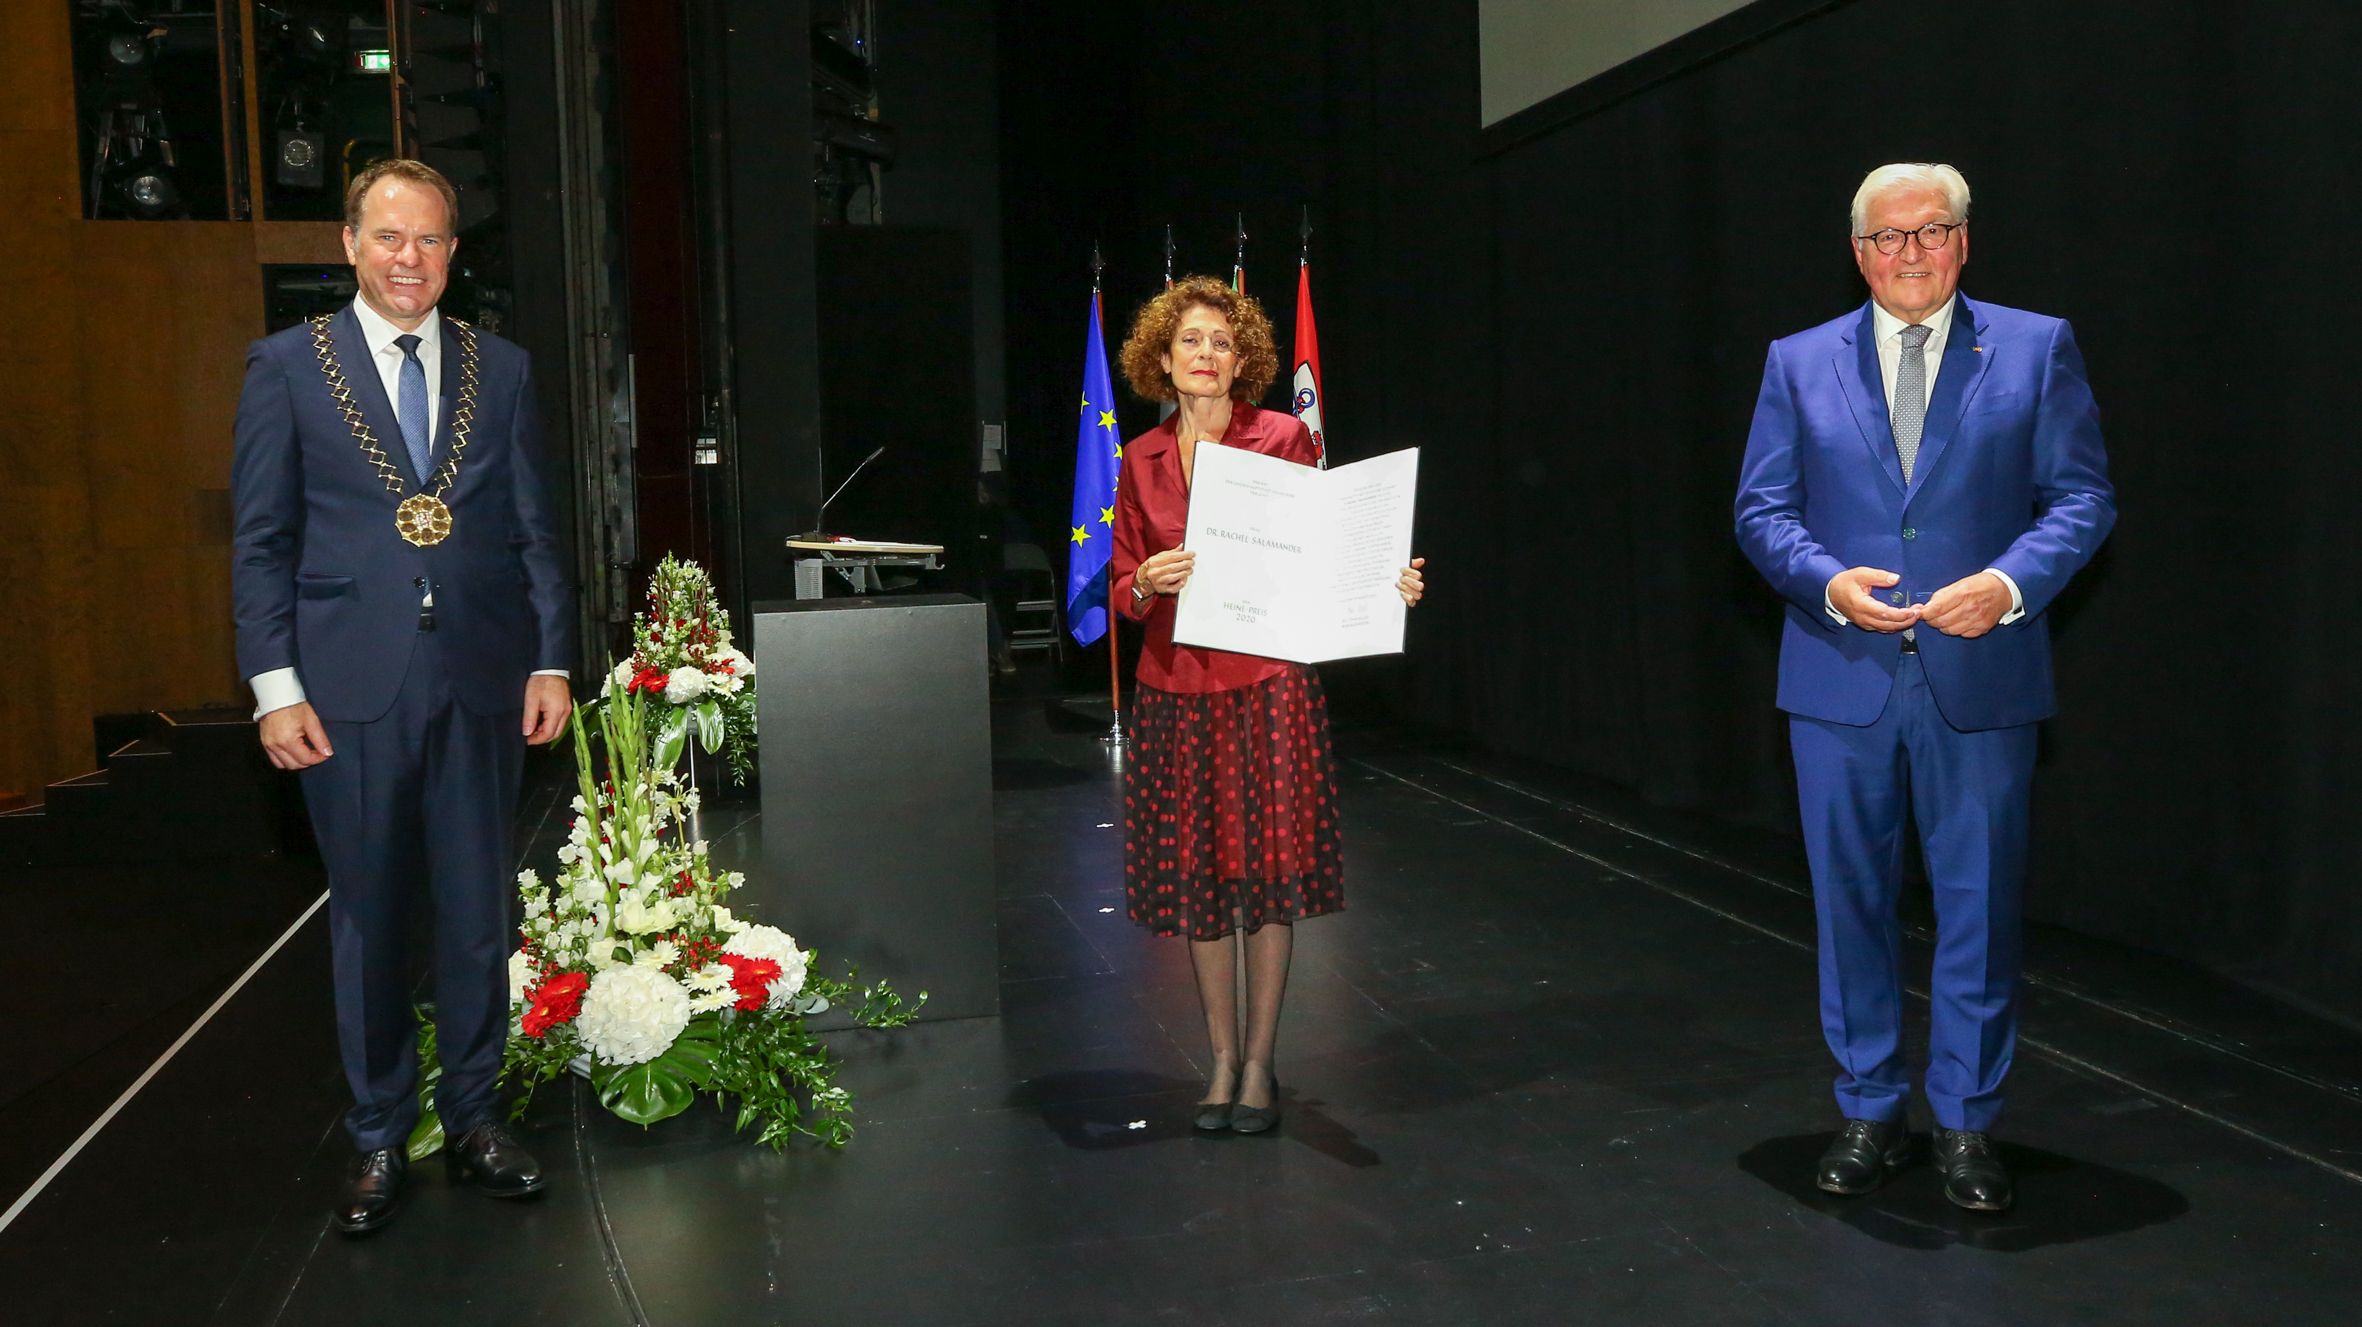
876 759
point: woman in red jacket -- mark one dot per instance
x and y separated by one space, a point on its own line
1230 798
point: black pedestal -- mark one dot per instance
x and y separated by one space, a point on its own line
876 763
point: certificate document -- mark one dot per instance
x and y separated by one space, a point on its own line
1296 563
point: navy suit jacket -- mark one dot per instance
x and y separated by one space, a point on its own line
2011 475
322 582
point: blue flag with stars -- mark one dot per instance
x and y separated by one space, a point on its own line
1098 455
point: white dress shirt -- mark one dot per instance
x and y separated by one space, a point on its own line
380 334
280 688
1889 331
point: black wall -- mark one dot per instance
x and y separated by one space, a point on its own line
1572 319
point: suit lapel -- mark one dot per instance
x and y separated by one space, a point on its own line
1966 358
1865 390
360 375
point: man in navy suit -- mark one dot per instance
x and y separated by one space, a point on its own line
1924 475
405 620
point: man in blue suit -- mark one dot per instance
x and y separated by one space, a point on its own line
406 623
1924 475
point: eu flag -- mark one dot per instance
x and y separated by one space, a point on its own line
1098 454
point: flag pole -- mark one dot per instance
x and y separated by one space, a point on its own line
1114 739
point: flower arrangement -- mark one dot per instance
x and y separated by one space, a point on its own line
633 970
682 656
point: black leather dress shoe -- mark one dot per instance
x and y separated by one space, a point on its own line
1974 1177
1862 1155
372 1184
490 1157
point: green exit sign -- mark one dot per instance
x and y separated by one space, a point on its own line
374 62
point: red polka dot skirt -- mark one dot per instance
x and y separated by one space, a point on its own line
1230 808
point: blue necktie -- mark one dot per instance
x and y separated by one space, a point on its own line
410 406
1910 414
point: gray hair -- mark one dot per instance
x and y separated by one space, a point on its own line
1933 177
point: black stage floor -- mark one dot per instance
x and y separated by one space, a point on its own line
1558 1063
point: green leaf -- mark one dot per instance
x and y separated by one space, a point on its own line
665 1086
709 726
644 1093
674 736
426 1138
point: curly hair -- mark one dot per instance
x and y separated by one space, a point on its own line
1159 318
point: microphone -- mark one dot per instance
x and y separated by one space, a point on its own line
820 522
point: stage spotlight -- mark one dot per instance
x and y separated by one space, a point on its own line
127 51
302 158
152 194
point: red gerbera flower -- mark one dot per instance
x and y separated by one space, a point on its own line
553 1002
751 978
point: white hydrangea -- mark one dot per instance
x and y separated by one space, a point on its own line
684 684
740 664
772 943
622 675
632 1015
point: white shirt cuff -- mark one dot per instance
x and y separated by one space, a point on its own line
552 672
275 690
2017 601
1831 605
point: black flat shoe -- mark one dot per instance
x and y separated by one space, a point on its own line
372 1184
1974 1177
1212 1117
490 1157
1257 1119
1862 1155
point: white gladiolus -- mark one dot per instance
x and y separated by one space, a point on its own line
634 918
632 1015
520 976
772 943
685 684
725 923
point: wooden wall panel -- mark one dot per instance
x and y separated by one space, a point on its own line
125 347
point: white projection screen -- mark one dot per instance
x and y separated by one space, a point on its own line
1533 50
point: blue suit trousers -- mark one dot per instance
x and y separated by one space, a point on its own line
420 799
1968 794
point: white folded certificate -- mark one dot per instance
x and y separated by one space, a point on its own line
1296 563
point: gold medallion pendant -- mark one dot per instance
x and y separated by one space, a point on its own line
423 519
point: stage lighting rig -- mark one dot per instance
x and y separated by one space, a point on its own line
851 144
132 166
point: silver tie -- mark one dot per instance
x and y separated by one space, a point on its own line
1910 412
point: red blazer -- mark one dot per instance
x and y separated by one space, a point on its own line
1152 511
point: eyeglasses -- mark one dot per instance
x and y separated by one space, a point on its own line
1933 235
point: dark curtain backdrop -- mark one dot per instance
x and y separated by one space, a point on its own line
1573 324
